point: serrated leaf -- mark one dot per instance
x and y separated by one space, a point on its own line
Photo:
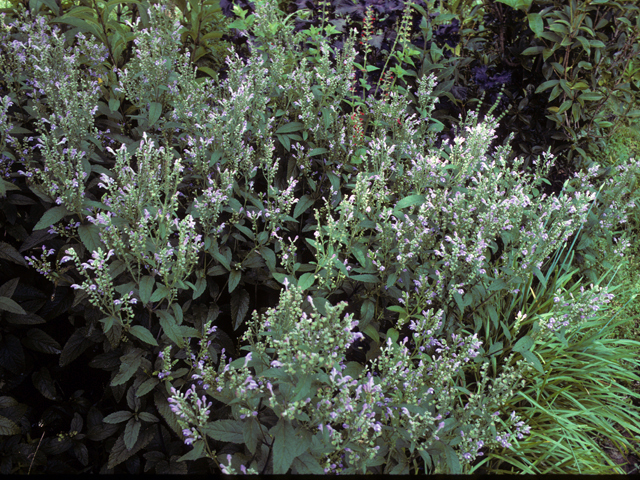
269 257
129 366
143 334
39 341
90 237
226 431
7 427
131 433
453 463
239 307
51 217
165 411
234 279
372 333
6 402
146 386
146 288
366 278
302 206
82 453
169 327
11 306
306 464
118 417
119 453
44 383
252 430
286 446
74 347
160 294
148 417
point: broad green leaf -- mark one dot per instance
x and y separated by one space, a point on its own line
146 288
366 278
533 360
523 345
160 294
143 334
286 446
269 257
409 201
252 430
546 85
118 417
318 151
131 432
154 112
495 348
148 417
40 341
536 24
195 453
7 427
453 464
306 280
51 217
290 127
9 305
533 50
393 334
90 237
239 307
169 327
74 347
129 366
372 333
367 311
44 383
226 431
146 386
234 279
302 206
8 252
120 453
306 464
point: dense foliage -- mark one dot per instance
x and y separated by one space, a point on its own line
303 260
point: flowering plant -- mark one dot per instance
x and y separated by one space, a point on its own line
252 183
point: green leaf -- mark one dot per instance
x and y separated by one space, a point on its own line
239 307
90 237
290 127
453 463
169 327
160 294
9 305
302 206
146 288
131 432
118 417
306 280
367 310
318 151
523 345
129 366
536 24
147 417
495 348
7 427
306 464
8 252
225 431
74 347
409 201
51 217
234 279
252 430
366 278
146 386
143 334
269 257
195 453
120 453
533 50
154 112
546 85
44 383
286 446
165 411
533 360
40 341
